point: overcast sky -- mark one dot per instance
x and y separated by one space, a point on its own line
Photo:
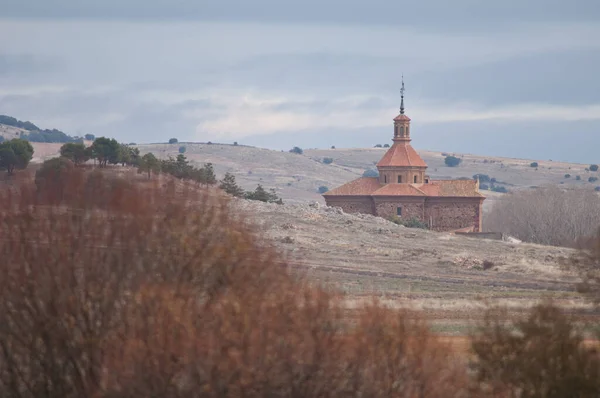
513 78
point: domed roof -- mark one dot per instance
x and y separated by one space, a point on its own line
401 154
401 117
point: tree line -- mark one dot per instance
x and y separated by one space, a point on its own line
37 134
17 153
109 151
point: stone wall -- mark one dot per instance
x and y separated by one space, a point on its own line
387 208
442 213
447 214
352 205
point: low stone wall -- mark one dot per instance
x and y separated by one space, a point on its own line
483 235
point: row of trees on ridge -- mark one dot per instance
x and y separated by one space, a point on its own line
109 151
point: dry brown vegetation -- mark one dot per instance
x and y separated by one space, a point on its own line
113 288
541 354
548 216
119 288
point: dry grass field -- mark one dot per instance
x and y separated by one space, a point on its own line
451 278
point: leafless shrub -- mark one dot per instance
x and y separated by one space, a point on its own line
586 262
487 264
541 355
115 289
548 216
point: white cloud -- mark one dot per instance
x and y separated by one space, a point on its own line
249 115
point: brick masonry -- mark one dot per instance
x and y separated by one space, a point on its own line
447 214
441 213
410 208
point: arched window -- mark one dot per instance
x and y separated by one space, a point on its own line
399 179
415 179
402 131
385 179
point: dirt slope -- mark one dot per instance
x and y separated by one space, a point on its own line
439 272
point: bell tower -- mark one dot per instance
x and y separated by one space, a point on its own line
401 122
402 164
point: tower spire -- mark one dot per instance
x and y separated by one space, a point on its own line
402 97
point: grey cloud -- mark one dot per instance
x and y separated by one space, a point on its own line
25 64
326 106
558 77
554 77
147 82
151 123
575 141
527 140
319 72
457 14
113 114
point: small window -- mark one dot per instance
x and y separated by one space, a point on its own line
415 179
398 211
402 131
427 181
399 179
385 179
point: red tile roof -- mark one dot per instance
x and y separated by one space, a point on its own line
359 187
429 189
401 154
401 117
457 188
399 190
370 186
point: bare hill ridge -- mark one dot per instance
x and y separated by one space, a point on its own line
10 132
297 177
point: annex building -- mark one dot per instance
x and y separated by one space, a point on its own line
404 189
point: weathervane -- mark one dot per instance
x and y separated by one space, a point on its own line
402 97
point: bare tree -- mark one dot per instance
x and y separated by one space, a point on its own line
548 215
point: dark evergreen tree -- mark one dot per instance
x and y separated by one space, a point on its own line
229 185
15 154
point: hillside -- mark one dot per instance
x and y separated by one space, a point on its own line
440 273
10 132
13 128
297 177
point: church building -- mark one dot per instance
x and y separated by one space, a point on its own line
404 189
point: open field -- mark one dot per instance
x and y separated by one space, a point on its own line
439 273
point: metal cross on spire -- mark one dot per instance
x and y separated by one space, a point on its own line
402 97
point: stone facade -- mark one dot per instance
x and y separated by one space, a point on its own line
446 214
440 213
410 208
